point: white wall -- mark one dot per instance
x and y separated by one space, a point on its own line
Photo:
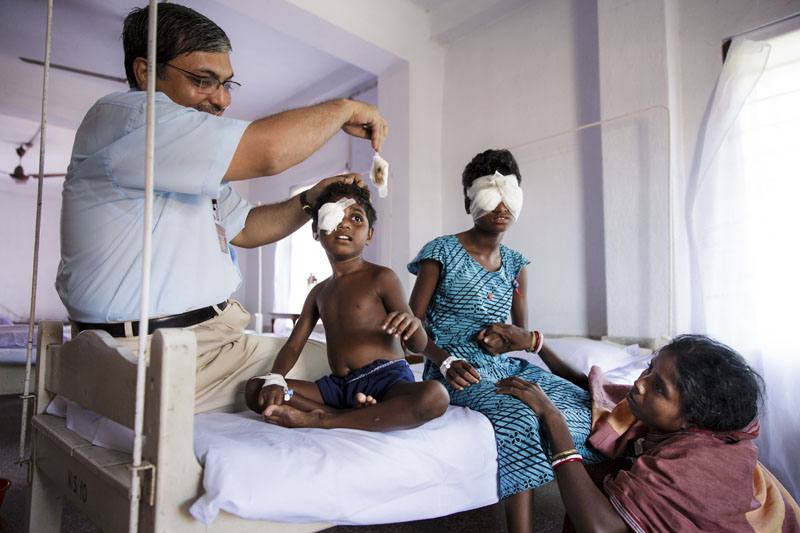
634 85
18 221
531 75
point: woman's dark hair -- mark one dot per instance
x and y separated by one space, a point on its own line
719 391
181 30
337 190
486 163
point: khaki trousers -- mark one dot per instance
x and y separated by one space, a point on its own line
227 358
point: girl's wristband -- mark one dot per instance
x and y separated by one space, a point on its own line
447 363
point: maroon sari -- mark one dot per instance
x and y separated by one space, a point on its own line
692 480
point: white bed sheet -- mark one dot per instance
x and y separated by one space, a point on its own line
344 476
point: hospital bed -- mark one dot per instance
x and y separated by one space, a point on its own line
254 476
13 351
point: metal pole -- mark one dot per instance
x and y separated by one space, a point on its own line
26 395
138 424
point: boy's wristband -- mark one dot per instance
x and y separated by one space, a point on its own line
277 379
447 363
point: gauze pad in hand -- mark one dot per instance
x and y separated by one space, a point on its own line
486 193
332 213
379 175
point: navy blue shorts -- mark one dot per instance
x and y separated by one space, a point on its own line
373 380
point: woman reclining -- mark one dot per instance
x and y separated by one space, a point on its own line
682 437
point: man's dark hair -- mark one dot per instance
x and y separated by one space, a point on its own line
181 30
337 190
719 391
486 163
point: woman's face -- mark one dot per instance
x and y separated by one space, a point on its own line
654 398
496 221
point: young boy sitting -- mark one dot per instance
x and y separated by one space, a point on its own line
363 308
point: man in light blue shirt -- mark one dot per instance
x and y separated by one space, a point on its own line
197 216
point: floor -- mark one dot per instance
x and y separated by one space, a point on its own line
549 511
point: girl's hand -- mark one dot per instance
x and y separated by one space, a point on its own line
501 338
401 324
462 374
531 394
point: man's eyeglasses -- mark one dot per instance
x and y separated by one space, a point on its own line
208 84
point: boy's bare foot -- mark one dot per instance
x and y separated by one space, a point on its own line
363 400
289 417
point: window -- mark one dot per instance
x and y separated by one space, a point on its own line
300 260
744 223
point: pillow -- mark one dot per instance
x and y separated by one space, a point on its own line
583 354
621 364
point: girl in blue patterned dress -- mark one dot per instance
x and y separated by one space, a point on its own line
467 284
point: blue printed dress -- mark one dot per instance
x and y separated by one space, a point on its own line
467 299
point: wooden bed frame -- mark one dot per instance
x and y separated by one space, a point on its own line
98 480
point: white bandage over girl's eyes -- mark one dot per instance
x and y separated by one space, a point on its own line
486 193
332 213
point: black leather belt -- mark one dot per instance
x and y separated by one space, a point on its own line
183 320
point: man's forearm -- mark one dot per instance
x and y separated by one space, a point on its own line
266 224
275 143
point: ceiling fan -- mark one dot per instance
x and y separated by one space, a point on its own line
19 173
75 70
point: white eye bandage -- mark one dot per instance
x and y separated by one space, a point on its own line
379 175
332 213
486 193
277 379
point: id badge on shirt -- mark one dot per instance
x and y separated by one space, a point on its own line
223 241
221 236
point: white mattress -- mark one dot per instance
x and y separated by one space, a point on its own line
260 471
15 356
14 343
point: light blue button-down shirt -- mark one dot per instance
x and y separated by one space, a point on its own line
100 275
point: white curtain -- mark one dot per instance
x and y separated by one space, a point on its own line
743 218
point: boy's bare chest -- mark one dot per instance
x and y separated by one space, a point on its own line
351 305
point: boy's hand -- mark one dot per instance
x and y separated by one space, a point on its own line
401 324
270 395
531 394
462 374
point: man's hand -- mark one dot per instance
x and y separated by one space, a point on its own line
367 123
314 192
